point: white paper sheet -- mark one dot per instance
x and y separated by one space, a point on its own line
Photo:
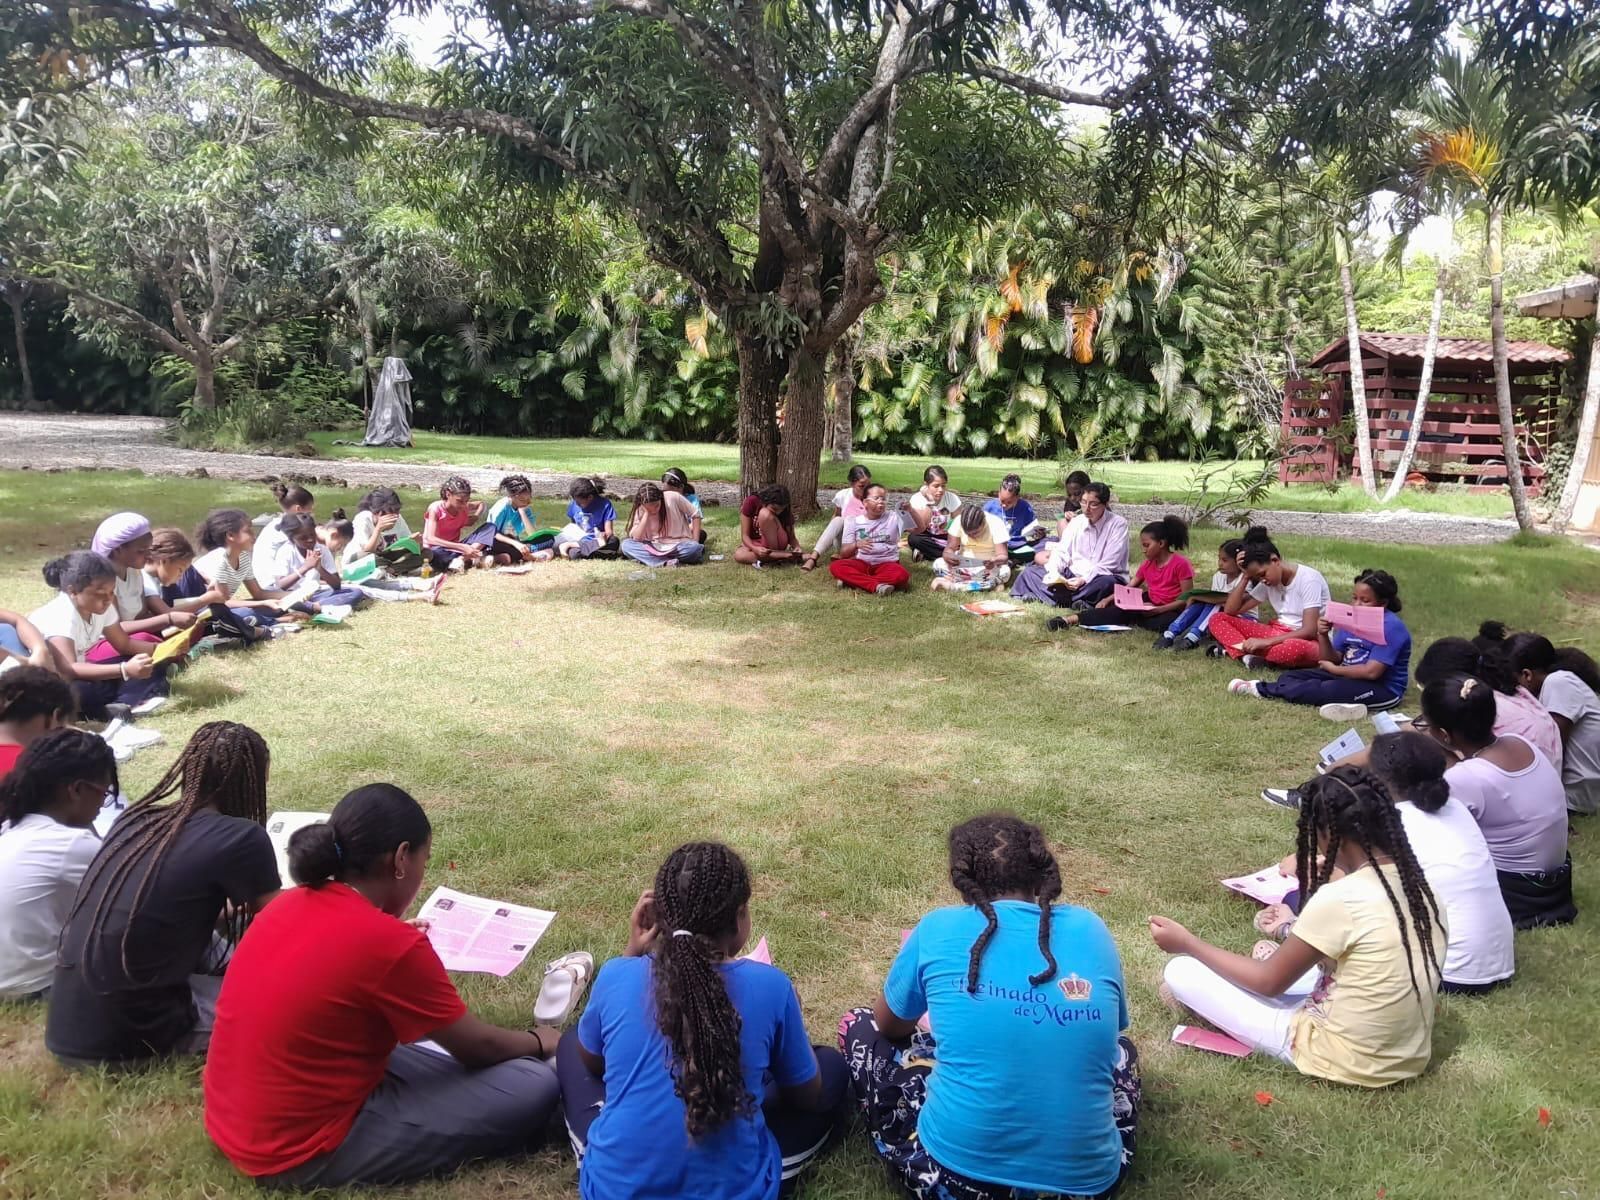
471 933
280 828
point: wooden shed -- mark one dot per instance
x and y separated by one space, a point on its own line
1460 438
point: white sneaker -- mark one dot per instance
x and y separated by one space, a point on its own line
1252 662
1003 573
156 703
1243 687
457 564
883 589
283 629
1330 712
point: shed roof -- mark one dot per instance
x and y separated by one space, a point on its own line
1571 298
1408 347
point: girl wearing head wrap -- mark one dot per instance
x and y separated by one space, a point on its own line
123 540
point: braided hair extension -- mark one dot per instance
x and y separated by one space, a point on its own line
996 854
456 485
224 766
699 891
1352 804
28 692
50 762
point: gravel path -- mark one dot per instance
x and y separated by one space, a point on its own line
38 441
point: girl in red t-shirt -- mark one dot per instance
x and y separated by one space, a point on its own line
311 1081
1164 576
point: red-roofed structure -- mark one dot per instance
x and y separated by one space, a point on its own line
1460 437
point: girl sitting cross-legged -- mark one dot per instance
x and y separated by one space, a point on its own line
591 522
674 479
1515 795
975 555
1375 936
1163 575
82 617
141 955
1083 567
690 1072
869 553
663 529
309 1082
1353 675
1025 1086
1297 594
302 557
454 534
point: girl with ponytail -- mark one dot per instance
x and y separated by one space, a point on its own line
1370 925
1024 1085
1163 575
1515 795
48 803
663 1080
311 1081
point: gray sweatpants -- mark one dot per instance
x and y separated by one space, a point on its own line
431 1114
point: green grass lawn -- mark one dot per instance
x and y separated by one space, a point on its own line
1135 482
565 729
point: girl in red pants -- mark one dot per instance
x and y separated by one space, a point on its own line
1297 594
869 552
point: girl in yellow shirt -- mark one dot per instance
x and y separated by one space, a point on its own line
1375 937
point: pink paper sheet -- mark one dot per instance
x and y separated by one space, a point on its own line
1210 1039
1269 886
761 954
1363 620
471 933
1129 598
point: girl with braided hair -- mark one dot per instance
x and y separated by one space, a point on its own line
1514 794
192 853
445 537
665 1082
33 701
1024 1085
310 1082
1454 858
515 525
48 803
1376 930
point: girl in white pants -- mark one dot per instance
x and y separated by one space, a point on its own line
1376 931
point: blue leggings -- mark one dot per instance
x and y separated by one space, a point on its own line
1192 621
10 640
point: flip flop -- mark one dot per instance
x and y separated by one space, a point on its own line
564 982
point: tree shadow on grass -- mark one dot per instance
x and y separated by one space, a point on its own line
202 695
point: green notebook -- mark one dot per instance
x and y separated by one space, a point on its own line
1204 595
540 535
406 543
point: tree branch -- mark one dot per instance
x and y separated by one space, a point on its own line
118 314
1029 86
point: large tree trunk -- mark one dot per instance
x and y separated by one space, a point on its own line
1430 351
761 374
800 454
1502 369
205 381
19 323
1358 378
1586 429
842 390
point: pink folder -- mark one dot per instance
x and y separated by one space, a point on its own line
1210 1039
1365 621
1129 598
761 954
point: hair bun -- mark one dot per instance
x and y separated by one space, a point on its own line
1492 631
314 854
1257 533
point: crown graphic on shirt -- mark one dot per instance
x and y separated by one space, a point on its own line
1075 988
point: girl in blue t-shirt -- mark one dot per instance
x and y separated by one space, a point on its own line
994 1063
1355 676
591 522
690 1073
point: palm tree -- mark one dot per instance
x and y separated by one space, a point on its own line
1468 96
1443 164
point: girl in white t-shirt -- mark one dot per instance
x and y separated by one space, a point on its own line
273 535
1375 936
1297 593
848 502
932 506
48 803
78 619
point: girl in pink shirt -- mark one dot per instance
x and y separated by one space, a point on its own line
445 539
1164 575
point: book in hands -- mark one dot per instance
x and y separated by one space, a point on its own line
1268 886
181 641
1204 596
